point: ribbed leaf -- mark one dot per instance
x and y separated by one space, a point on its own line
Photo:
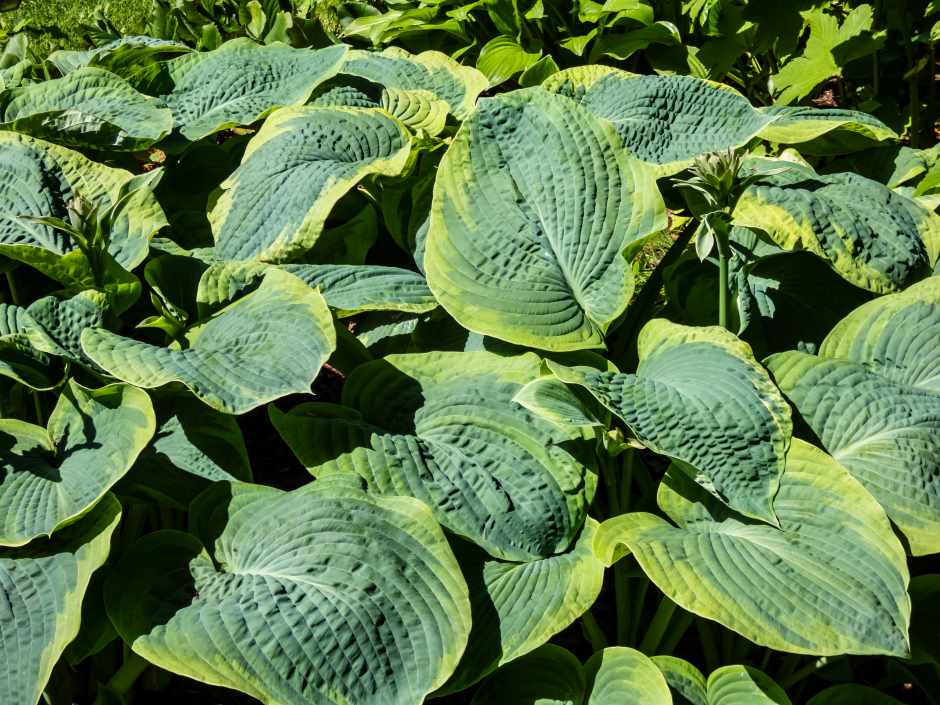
542 263
89 108
832 580
241 82
432 71
873 237
743 685
55 325
686 682
669 120
41 590
348 288
550 675
127 56
310 156
49 477
442 427
267 344
872 397
320 595
621 676
700 397
517 607
39 179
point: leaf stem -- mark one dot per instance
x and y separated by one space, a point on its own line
658 626
11 285
706 634
592 632
722 244
132 668
677 629
807 670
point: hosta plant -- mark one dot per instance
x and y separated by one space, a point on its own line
324 379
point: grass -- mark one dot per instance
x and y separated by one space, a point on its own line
59 24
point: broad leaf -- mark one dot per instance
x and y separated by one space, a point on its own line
834 561
873 237
41 590
267 344
621 676
872 397
743 685
311 156
39 179
324 594
727 422
517 607
542 264
131 57
686 682
88 108
400 72
669 120
550 675
241 82
442 427
51 476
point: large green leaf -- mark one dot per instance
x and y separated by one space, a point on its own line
41 590
89 107
267 344
432 71
701 398
743 685
872 397
517 607
310 156
50 476
729 685
534 204
669 120
54 325
241 82
550 675
442 427
39 179
347 288
129 56
321 595
621 676
831 580
873 237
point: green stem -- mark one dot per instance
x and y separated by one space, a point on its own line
132 668
722 244
637 608
37 406
592 632
658 626
11 284
677 629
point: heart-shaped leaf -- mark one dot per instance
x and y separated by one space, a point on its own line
834 561
267 344
241 82
324 594
726 420
41 590
311 156
442 427
542 264
872 397
50 476
88 108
